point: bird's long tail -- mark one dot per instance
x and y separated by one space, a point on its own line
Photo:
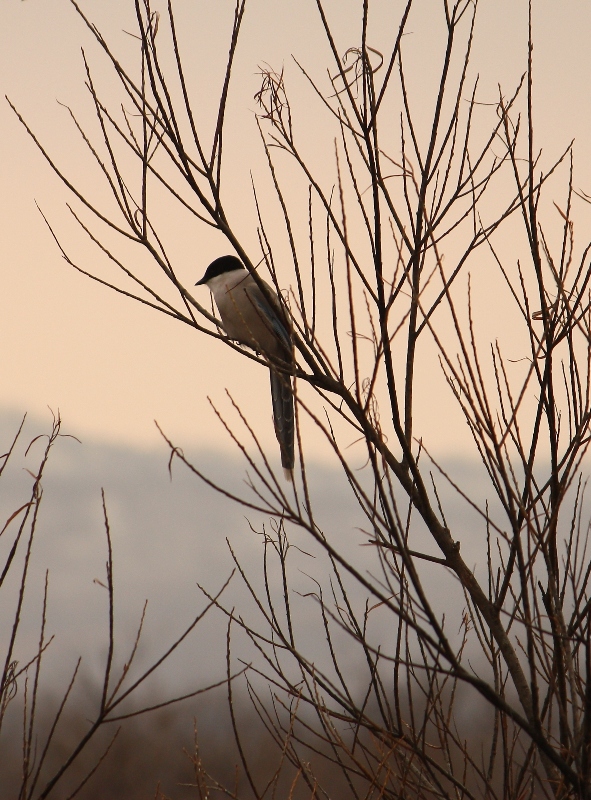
283 417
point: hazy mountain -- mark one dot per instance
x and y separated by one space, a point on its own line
169 535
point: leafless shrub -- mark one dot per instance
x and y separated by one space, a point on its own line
403 197
49 746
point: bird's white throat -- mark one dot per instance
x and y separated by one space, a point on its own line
223 283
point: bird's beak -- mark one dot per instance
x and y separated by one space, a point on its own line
201 282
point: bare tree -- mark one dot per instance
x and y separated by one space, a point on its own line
409 210
22 682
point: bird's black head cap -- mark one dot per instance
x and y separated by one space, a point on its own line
219 266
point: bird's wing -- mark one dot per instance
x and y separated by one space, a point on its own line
273 314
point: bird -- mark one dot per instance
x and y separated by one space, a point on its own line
259 322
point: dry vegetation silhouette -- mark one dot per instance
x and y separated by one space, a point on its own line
376 268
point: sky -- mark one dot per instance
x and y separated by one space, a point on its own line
112 367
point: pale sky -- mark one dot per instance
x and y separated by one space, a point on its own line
111 366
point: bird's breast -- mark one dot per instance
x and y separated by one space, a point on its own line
244 320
